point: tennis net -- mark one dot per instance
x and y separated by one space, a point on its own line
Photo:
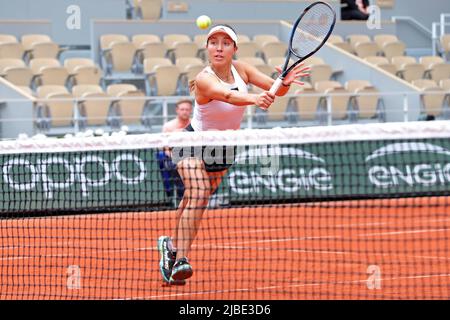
345 212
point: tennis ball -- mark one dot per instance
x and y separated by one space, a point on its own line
203 22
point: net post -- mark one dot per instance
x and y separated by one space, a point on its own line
165 111
249 118
76 116
405 107
329 111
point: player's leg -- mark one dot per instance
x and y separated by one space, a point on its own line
168 251
197 192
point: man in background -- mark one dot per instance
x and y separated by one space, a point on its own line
183 111
172 180
354 9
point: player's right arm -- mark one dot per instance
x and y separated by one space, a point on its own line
209 88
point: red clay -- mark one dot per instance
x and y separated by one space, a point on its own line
295 251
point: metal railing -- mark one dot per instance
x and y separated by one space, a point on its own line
436 36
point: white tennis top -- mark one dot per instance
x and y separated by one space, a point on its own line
219 115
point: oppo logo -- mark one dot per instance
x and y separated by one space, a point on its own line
56 173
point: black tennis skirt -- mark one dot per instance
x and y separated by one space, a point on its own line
215 158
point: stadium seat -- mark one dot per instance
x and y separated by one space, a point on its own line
140 40
247 49
366 49
151 63
339 104
185 62
131 110
170 39
376 60
273 49
401 60
7 38
335 38
44 50
107 39
259 64
432 103
412 72
382 63
182 50
93 104
11 50
148 45
382 39
276 61
387 4
366 105
307 102
28 40
314 61
122 57
429 61
261 39
106 42
152 50
320 72
189 68
149 9
59 111
254 61
445 44
440 71
278 111
40 46
358 38
48 71
408 69
16 72
83 71
393 49
339 42
200 41
162 79
445 84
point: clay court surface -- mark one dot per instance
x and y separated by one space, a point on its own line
368 249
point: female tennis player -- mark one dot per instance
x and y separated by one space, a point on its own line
220 99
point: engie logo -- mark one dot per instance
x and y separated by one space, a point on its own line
296 169
57 173
409 163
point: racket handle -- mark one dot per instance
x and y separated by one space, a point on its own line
276 85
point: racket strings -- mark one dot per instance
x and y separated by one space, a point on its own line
312 29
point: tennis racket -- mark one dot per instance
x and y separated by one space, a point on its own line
309 33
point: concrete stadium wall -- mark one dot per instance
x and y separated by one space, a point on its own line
21 27
56 12
243 9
